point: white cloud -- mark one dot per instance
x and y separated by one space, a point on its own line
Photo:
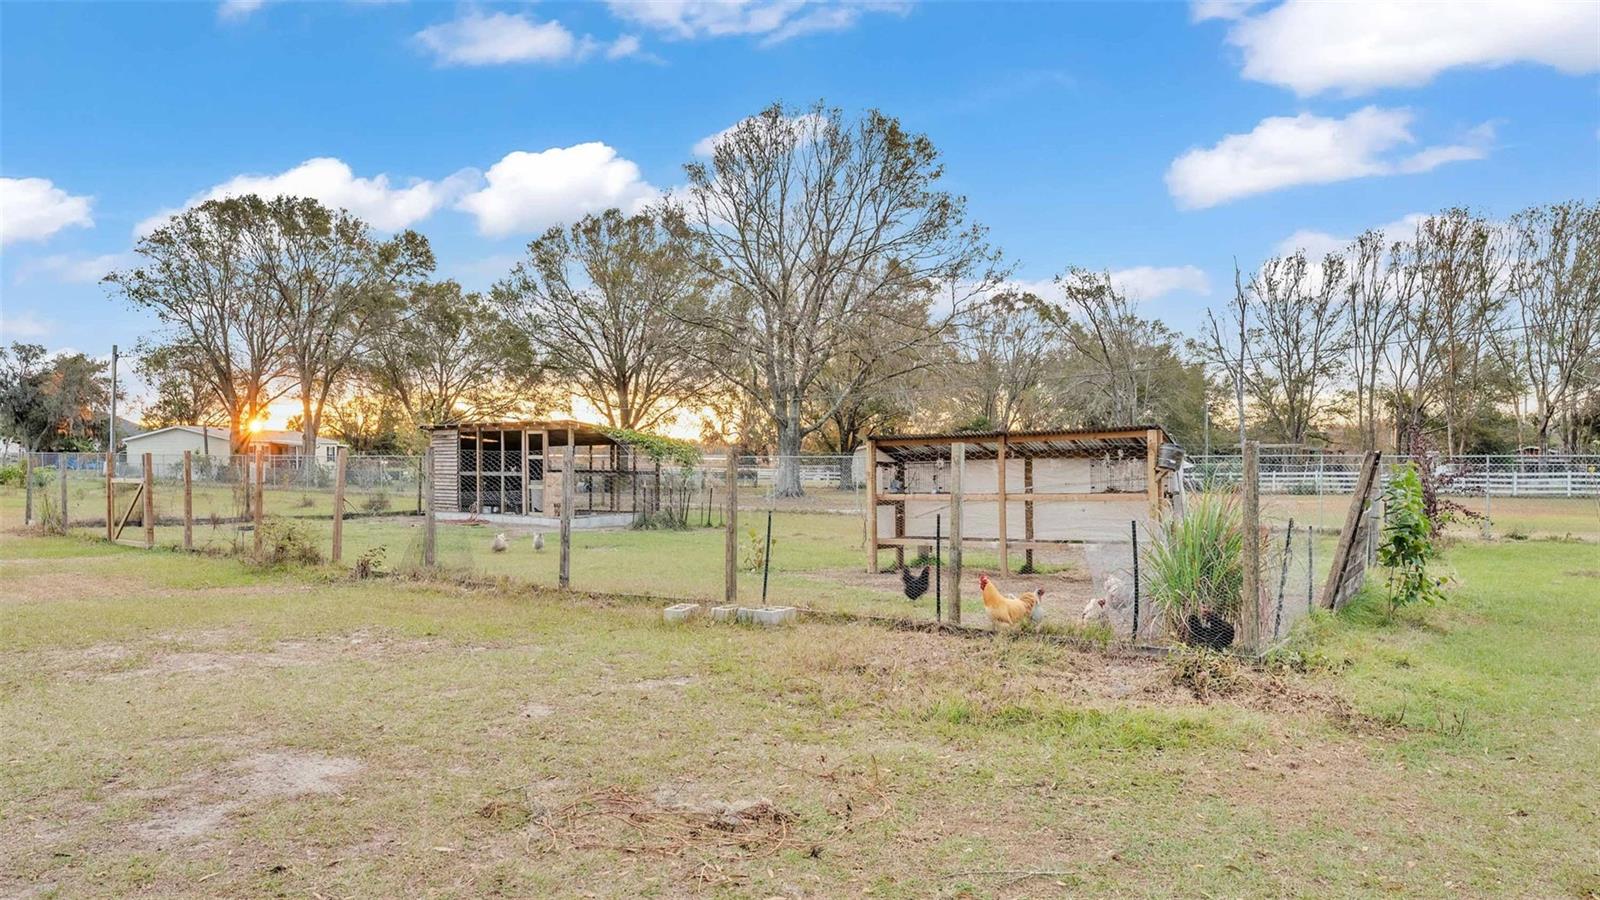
529 191
1284 151
236 10
22 326
32 209
73 269
1151 282
775 20
479 39
1353 47
331 181
1228 10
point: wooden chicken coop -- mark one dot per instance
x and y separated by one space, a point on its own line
513 470
1018 490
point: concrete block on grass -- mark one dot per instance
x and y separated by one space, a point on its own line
773 616
724 613
680 612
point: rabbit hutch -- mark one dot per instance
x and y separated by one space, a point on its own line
512 472
1018 491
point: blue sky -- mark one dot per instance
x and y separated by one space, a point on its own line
1159 141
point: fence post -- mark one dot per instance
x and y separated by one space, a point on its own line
1283 578
27 488
188 500
958 468
149 502
61 474
1133 532
338 503
569 462
260 497
730 528
1250 593
425 485
111 498
872 506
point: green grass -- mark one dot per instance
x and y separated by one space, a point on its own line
1449 752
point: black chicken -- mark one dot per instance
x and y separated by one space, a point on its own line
916 585
1207 629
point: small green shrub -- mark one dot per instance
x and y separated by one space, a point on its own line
375 503
11 475
1407 544
288 542
370 562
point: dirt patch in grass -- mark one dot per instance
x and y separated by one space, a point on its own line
199 806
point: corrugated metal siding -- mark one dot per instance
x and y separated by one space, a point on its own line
446 463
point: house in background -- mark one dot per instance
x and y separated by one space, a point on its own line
213 442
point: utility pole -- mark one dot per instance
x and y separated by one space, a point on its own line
111 423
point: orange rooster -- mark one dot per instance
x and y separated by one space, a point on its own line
1005 610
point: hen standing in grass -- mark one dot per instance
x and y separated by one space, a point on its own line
915 585
1004 610
499 545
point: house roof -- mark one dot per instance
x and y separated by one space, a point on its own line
223 434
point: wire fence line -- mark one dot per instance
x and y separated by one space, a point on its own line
817 553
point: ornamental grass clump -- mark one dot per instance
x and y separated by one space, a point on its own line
1196 568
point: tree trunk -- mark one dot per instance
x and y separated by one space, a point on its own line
786 480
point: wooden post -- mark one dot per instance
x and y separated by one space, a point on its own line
260 505
188 500
1027 510
111 494
958 468
872 506
429 523
546 504
730 529
569 461
1152 484
524 466
1000 489
338 503
477 464
1250 594
149 502
27 488
61 475
1345 549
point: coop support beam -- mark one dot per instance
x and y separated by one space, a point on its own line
1000 492
1152 475
1250 593
188 500
1027 509
730 530
872 506
958 468
338 503
477 464
525 486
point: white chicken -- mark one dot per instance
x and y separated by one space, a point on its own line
499 545
538 540
1097 612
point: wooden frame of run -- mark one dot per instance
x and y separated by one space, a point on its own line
999 447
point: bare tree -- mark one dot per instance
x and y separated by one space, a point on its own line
1006 350
1289 317
1555 282
196 278
606 307
1380 285
817 231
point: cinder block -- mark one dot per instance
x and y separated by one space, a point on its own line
680 612
724 613
746 615
774 616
